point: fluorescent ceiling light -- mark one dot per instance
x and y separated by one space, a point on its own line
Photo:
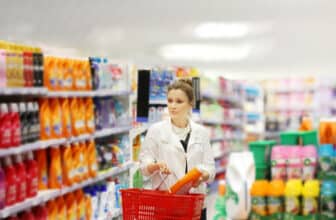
221 30
205 52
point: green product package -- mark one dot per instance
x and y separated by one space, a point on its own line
137 179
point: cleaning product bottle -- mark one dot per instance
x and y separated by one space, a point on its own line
21 179
19 63
45 119
66 120
88 75
5 127
89 115
30 122
41 158
294 164
56 116
103 195
60 73
84 161
68 74
2 188
75 121
278 162
92 158
41 213
275 203
310 192
88 207
51 73
23 122
11 186
61 207
80 125
55 168
76 162
67 165
79 78
32 175
71 206
328 193
293 191
110 205
183 185
326 154
80 201
52 210
258 197
15 124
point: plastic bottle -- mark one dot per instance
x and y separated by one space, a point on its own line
275 203
80 124
60 73
41 159
40 69
68 74
52 210
11 186
3 66
76 162
80 201
278 162
13 217
15 124
70 206
309 161
10 66
18 57
310 193
293 191
51 73
88 207
79 76
94 203
103 196
328 193
66 118
92 158
258 197
5 127
32 175
45 122
110 205
88 75
89 115
294 164
25 123
28 67
55 168
2 188
75 121
326 154
29 122
84 170
67 165
61 207
41 213
183 185
56 118
21 179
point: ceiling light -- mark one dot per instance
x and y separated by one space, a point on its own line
221 30
205 52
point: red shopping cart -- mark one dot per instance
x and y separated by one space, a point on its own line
142 204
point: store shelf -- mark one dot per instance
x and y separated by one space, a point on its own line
44 196
225 122
291 90
139 130
233 98
23 91
110 131
220 139
97 93
56 142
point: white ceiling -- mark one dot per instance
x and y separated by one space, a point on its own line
295 37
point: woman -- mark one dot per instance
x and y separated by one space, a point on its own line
177 145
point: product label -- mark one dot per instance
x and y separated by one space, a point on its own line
309 168
79 124
278 172
292 205
90 124
293 172
259 205
67 83
57 129
11 194
310 205
6 137
325 163
274 205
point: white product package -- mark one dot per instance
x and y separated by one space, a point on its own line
240 176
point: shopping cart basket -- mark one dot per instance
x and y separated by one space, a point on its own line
142 204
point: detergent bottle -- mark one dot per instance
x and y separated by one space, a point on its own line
258 197
310 193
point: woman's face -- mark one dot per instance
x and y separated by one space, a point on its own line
179 105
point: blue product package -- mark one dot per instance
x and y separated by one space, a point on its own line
98 114
111 112
118 187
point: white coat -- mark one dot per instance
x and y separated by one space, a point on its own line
161 144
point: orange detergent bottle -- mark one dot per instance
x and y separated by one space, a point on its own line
56 118
55 168
92 158
62 209
60 73
45 122
52 210
89 115
66 118
81 116
80 201
71 208
74 112
50 77
41 159
84 161
68 74
183 185
76 162
276 191
67 165
88 76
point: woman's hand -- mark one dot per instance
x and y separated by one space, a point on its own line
203 178
158 166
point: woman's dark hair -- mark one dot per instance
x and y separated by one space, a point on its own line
185 85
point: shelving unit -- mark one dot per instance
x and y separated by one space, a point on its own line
47 195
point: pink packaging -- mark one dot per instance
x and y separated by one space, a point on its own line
294 162
278 162
309 162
